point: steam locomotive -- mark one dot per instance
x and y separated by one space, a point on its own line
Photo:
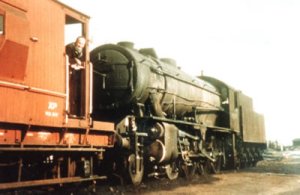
169 123
136 115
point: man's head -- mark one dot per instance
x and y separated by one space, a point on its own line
80 43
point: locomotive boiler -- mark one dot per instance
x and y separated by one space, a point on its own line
127 79
166 120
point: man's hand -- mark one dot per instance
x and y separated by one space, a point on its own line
77 66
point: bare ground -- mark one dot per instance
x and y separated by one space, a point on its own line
268 177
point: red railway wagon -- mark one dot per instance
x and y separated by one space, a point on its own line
41 142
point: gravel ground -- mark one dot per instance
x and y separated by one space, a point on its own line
268 177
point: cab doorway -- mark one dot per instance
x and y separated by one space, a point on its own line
75 77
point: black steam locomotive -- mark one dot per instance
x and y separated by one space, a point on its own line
169 123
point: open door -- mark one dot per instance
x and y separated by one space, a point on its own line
76 82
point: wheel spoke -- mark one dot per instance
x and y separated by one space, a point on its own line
188 170
216 166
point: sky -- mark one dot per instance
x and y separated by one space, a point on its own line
252 45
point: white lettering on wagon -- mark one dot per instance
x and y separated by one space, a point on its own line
52 106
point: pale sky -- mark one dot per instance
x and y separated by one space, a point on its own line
253 45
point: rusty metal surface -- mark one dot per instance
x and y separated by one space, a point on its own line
33 72
14 185
103 126
22 137
32 62
36 130
13 66
19 4
10 137
51 149
30 106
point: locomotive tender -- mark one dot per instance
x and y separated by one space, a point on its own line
139 115
169 122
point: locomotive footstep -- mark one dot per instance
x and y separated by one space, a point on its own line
135 170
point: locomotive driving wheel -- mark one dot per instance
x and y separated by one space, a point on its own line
135 169
216 166
216 153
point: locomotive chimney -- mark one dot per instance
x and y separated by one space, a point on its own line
148 52
126 44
